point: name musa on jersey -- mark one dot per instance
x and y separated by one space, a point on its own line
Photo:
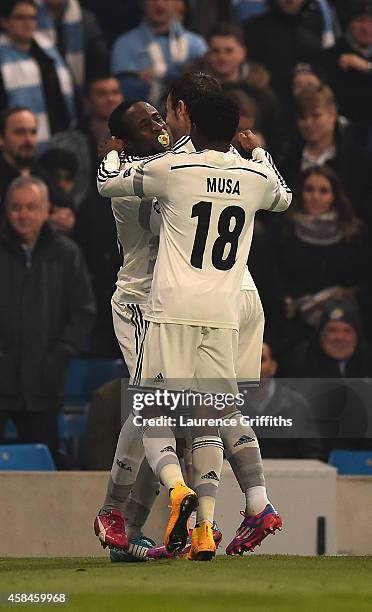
208 201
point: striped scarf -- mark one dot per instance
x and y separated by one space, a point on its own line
320 230
22 80
73 37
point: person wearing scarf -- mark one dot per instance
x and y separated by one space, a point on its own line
148 57
322 252
31 76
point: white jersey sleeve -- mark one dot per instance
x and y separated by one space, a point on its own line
278 195
110 174
143 179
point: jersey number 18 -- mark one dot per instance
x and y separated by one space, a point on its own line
203 211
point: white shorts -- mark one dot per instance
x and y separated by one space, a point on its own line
251 329
176 356
128 327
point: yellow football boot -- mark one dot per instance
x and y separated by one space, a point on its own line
183 502
203 547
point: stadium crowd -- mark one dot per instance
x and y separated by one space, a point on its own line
301 74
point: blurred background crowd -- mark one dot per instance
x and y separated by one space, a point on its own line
301 74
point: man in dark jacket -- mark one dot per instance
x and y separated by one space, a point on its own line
291 31
46 311
349 68
336 368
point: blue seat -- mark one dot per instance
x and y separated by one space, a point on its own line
352 462
26 457
84 376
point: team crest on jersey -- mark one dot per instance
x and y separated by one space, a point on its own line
127 172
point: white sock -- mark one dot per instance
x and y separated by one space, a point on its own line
170 475
160 449
207 459
256 500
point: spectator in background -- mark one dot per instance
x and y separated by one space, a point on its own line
349 69
322 252
85 137
335 353
99 248
291 31
275 398
61 168
304 76
206 14
226 60
250 116
147 58
31 76
47 310
121 17
18 144
77 36
18 141
323 139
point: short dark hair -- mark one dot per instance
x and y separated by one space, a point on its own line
192 87
54 158
228 29
7 6
216 116
116 122
8 112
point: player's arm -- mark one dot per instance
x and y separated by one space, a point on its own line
141 178
149 215
144 179
110 173
278 196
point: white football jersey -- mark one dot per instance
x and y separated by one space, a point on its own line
208 201
139 246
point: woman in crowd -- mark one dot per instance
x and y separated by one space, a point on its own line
321 250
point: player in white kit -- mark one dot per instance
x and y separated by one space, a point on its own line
215 228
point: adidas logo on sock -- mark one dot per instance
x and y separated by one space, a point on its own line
123 466
159 378
243 440
210 476
168 449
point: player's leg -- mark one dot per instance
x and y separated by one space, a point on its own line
129 454
166 362
241 445
215 374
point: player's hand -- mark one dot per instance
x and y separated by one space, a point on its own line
112 144
248 140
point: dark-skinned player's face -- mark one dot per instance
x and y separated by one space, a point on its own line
148 131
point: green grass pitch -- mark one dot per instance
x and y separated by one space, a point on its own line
260 584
